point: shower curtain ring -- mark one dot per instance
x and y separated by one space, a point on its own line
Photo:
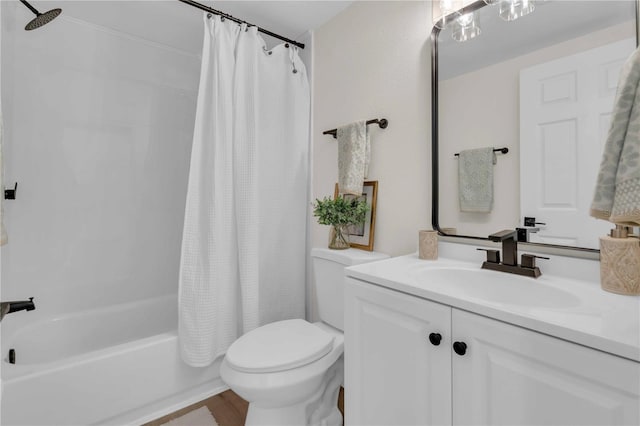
292 58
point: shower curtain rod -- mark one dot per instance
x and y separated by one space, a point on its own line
239 21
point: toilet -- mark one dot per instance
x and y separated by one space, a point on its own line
291 371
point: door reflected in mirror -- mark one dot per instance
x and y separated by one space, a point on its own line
543 86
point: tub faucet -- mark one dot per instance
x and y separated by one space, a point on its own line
22 305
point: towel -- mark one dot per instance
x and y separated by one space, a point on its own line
617 193
475 180
354 154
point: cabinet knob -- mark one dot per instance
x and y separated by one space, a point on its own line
460 348
435 338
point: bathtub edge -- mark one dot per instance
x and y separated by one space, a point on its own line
168 405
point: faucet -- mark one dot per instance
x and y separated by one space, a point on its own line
509 240
22 305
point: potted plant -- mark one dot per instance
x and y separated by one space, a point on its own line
340 213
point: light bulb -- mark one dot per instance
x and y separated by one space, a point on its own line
511 10
465 19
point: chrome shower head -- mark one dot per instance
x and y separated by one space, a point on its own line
41 18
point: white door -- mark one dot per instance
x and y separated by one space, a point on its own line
565 108
513 376
394 375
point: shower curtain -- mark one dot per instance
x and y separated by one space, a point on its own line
3 233
243 247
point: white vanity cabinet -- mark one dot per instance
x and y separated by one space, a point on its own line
506 375
394 375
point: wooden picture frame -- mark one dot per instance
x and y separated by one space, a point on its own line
361 236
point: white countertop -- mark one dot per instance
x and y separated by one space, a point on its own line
597 319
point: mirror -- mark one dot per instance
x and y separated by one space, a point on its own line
542 86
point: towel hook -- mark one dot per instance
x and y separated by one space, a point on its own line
10 194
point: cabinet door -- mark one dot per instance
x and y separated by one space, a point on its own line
394 375
513 376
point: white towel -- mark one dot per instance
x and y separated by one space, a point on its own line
354 154
617 193
475 180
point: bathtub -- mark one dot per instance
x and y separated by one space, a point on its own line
113 366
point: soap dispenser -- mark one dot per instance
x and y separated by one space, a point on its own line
620 262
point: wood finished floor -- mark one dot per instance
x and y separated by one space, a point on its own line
227 408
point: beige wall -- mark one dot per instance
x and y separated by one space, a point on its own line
373 61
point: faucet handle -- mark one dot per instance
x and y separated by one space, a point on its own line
493 256
529 260
531 221
523 233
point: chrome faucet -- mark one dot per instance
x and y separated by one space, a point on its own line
22 305
509 240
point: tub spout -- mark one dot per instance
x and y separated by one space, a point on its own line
22 305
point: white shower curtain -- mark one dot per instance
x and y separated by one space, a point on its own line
243 247
3 233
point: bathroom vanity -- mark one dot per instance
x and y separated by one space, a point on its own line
445 342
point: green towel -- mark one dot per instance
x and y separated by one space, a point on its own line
617 193
354 155
475 180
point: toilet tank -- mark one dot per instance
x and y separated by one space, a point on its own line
328 279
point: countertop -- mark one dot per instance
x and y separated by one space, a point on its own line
596 319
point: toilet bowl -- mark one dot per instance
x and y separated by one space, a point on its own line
291 371
305 394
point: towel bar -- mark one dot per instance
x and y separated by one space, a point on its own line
502 150
383 123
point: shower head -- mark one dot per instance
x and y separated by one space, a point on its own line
41 18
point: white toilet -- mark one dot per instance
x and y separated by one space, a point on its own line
291 371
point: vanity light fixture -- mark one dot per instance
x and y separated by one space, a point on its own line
466 27
445 11
510 10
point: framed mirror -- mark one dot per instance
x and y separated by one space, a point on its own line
542 86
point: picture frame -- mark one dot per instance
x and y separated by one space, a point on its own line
361 236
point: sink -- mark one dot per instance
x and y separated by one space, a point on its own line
498 287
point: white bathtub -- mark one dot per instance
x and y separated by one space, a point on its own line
114 366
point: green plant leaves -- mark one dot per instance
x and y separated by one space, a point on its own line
340 211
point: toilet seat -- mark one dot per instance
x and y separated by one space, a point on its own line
279 346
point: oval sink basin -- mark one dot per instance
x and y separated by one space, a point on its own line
499 287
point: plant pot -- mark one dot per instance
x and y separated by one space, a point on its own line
339 237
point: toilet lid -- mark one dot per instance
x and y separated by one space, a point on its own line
279 346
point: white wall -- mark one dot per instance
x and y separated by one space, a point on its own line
98 135
373 61
481 108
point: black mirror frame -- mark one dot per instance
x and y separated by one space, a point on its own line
435 181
